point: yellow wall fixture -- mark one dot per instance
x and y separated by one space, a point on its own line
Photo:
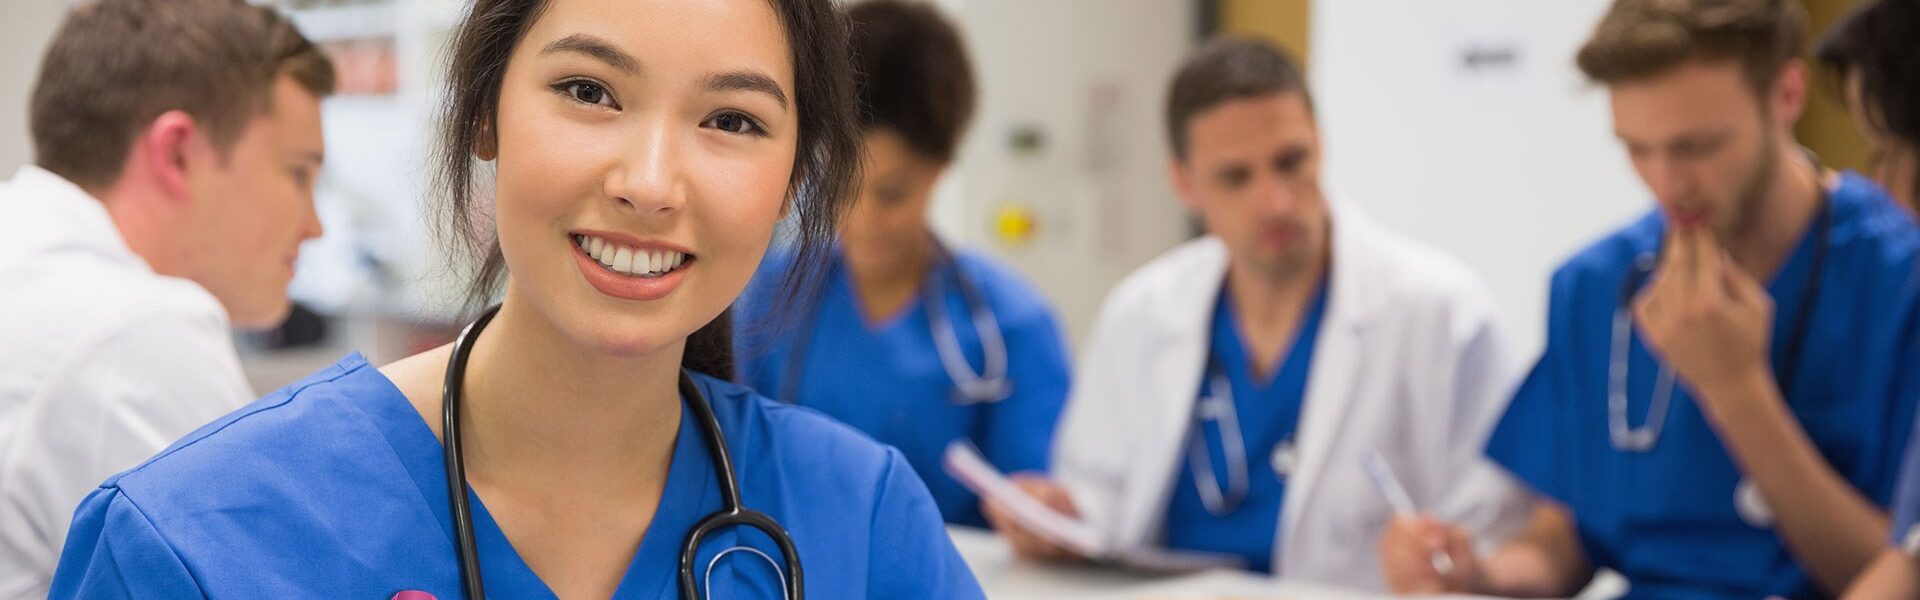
1826 127
1282 21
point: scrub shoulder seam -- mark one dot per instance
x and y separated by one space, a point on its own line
232 419
120 495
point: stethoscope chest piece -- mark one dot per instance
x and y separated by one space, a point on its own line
1286 458
1751 506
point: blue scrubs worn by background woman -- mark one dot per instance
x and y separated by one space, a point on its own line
1228 496
1671 510
888 379
916 344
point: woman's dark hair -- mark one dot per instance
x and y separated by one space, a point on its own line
1878 43
824 167
913 74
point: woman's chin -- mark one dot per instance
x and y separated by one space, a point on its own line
630 343
625 336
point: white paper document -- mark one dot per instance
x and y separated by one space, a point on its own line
965 464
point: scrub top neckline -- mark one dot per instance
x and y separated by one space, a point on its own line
840 279
1239 358
653 570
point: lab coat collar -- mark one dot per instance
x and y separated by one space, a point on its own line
54 213
1351 300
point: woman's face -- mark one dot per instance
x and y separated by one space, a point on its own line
895 190
1896 162
643 154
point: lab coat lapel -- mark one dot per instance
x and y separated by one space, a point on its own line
1354 294
1178 361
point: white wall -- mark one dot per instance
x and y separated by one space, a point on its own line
25 28
1511 167
1090 74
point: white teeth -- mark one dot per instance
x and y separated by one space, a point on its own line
630 261
623 260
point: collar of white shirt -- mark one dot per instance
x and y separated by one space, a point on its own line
52 211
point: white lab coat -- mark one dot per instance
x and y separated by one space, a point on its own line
1409 360
102 364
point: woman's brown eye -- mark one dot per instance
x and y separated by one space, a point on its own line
733 123
588 93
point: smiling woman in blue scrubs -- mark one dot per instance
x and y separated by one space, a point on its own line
641 152
869 348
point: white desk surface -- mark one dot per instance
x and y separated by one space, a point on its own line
1006 578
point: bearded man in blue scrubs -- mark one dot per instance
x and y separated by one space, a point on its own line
1728 380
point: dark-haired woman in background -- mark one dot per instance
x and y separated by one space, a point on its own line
641 152
905 339
1876 54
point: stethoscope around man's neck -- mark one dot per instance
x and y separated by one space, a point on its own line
1216 404
1627 438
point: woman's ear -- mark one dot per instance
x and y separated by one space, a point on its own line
485 145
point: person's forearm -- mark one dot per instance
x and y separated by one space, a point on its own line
1893 576
1828 525
1544 562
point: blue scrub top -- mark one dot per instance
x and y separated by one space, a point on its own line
334 488
1666 518
1269 413
886 379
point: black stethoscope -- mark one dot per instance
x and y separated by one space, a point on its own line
986 386
1627 438
731 512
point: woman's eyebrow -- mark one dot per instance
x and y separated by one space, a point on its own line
747 81
595 48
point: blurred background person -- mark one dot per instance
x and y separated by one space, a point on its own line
903 337
1729 380
1875 52
176 146
1234 388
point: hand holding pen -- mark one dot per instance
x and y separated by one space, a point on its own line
1420 555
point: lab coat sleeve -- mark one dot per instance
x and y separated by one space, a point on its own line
911 555
115 552
1019 428
1476 493
115 404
